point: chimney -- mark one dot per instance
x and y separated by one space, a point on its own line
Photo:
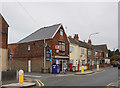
76 37
89 42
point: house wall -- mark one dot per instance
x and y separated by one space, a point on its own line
3 59
75 56
3 37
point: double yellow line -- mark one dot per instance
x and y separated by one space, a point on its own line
40 83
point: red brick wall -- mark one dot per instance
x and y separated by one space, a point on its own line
3 37
63 38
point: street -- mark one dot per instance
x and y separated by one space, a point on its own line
108 77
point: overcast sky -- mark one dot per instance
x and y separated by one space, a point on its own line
83 18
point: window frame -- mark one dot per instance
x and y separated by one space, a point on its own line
61 32
61 45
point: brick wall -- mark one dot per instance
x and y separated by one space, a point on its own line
3 37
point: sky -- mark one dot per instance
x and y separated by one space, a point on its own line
83 18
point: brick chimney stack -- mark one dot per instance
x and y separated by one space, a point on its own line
76 37
89 42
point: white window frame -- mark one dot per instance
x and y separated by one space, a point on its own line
82 51
89 52
61 32
71 49
29 47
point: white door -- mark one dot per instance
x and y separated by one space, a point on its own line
29 65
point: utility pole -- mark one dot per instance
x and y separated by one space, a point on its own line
44 55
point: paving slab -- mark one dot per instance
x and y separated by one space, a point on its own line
25 84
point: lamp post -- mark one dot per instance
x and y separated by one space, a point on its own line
89 47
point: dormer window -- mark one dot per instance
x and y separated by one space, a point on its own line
61 32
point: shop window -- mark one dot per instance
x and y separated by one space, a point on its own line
61 46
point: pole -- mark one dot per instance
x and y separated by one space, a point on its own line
44 56
10 64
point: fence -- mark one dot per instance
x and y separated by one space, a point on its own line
9 75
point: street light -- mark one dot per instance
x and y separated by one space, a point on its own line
93 34
90 39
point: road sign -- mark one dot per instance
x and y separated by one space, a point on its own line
10 56
57 47
50 54
57 51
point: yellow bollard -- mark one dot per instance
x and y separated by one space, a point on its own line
82 68
97 67
21 76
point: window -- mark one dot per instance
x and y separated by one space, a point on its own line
82 51
62 46
96 53
100 54
28 47
89 52
106 54
83 62
61 32
71 49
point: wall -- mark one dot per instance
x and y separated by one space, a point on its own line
3 37
3 59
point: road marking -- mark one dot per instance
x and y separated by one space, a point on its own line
109 84
38 83
41 83
32 76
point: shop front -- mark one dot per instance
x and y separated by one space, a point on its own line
63 61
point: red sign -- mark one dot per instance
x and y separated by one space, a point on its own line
57 47
57 56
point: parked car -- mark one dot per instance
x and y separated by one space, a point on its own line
115 64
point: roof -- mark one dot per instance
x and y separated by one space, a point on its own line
88 46
100 47
4 19
80 43
42 33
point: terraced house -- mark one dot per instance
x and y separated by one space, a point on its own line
86 54
29 53
78 52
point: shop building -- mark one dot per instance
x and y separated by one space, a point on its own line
28 54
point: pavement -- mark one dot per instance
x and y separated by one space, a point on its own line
88 72
24 84
14 83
